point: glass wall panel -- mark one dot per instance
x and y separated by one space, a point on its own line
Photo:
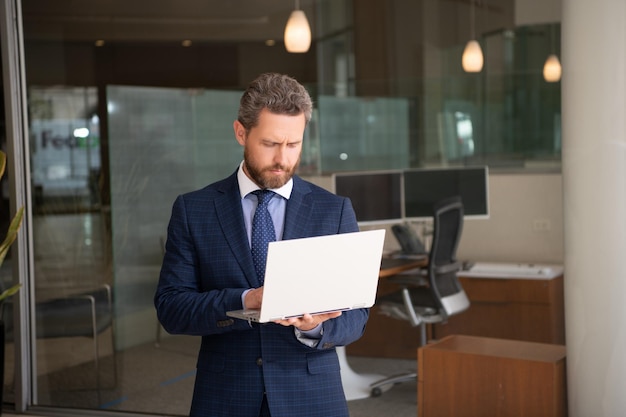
363 133
335 52
71 250
514 113
162 142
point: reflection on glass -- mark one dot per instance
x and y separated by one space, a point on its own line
464 133
71 249
65 148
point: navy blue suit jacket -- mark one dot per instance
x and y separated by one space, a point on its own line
206 268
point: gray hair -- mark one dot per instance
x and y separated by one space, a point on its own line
280 94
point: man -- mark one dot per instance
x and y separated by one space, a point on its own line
288 368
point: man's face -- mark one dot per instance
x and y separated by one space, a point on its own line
272 148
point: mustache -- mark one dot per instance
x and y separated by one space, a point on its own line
277 167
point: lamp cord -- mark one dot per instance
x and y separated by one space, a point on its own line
472 18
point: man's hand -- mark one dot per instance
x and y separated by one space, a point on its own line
253 298
308 322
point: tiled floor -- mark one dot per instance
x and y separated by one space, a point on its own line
141 386
159 381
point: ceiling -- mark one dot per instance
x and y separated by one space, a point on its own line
159 20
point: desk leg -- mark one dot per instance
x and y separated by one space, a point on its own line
355 386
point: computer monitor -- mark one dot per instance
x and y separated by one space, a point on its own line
424 187
376 195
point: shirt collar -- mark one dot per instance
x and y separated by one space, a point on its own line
246 185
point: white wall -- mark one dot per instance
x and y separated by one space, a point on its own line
594 178
525 222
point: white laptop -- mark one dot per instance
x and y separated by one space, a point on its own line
319 274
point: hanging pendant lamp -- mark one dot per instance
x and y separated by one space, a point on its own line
552 67
472 54
297 32
472 57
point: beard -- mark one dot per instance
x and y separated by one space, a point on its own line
262 175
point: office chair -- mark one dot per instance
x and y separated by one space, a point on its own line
86 314
438 295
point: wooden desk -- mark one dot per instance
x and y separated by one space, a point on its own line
474 376
384 336
394 266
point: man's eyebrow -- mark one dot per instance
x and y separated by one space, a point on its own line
288 141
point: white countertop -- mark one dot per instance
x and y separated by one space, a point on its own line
513 270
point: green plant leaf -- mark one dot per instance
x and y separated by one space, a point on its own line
11 234
3 163
9 292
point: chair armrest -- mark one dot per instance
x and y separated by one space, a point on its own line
444 269
408 280
88 293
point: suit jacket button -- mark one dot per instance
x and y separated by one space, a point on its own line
259 361
225 323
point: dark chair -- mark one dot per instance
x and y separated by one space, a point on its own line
433 296
86 314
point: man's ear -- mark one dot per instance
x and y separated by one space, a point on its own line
240 132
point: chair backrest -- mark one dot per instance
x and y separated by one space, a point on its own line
443 265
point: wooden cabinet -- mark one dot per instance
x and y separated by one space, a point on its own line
510 308
475 376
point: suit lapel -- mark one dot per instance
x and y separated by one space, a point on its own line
230 217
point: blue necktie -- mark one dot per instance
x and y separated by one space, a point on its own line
262 232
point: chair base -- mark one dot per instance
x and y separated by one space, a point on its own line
355 386
377 387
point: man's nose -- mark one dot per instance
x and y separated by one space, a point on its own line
280 155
